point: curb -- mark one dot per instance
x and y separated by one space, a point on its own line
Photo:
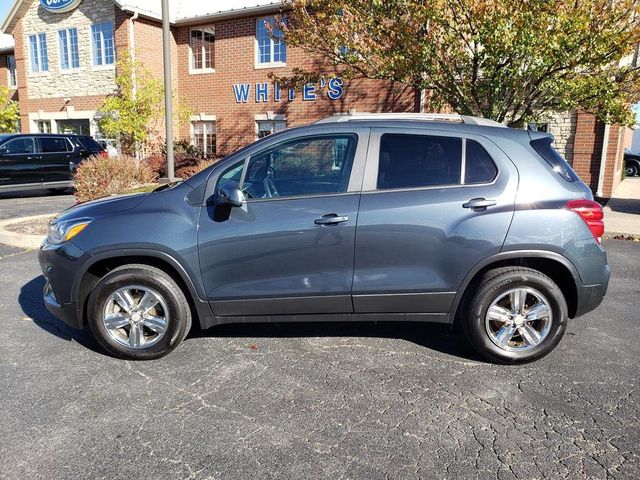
21 240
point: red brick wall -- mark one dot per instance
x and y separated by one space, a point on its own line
588 153
212 93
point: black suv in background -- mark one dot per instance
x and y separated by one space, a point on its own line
34 161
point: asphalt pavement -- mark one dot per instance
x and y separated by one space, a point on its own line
34 202
357 400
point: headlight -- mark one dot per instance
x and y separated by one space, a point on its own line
60 232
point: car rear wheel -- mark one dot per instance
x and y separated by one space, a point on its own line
138 312
515 315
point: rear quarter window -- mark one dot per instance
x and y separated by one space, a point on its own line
89 144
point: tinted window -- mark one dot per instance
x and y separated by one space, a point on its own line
54 144
408 161
543 147
305 166
89 144
18 145
479 168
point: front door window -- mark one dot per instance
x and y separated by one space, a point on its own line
306 166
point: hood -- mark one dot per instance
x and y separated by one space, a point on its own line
101 206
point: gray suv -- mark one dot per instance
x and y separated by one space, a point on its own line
383 217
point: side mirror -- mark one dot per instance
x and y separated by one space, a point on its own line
229 194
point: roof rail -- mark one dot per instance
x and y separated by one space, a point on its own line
423 117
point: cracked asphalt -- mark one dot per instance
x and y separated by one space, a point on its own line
358 401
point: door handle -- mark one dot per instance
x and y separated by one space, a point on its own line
479 204
330 219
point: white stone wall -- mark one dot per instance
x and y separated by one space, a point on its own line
563 127
83 81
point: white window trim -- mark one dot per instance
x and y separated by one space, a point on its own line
202 118
39 73
200 71
268 117
70 68
15 68
256 55
102 66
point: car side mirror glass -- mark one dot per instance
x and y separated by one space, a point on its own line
229 194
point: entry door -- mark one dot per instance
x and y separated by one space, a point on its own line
56 157
433 205
19 163
289 248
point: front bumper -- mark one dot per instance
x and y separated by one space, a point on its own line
60 264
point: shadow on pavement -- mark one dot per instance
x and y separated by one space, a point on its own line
36 193
30 300
436 337
433 336
624 205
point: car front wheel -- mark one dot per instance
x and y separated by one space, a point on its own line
631 170
515 315
138 312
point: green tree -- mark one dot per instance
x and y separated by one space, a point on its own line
135 112
9 111
509 60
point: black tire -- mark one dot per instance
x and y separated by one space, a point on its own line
179 312
631 170
491 286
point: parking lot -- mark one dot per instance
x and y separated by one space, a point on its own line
354 400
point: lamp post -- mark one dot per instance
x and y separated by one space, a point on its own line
168 96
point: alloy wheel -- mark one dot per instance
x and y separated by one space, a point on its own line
135 316
519 319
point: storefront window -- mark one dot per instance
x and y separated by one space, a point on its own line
204 137
11 71
38 52
267 127
269 50
202 43
69 54
103 47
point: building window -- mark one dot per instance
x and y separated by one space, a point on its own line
103 47
270 51
11 71
267 127
69 54
43 126
204 137
38 52
202 49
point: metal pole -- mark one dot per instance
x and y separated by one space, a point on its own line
168 96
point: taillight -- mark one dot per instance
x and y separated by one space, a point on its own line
592 214
103 154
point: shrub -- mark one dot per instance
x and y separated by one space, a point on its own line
187 172
103 176
184 165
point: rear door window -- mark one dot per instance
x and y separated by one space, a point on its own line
18 146
54 145
411 161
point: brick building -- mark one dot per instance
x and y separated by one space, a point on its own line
63 65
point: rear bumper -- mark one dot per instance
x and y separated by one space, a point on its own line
591 296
